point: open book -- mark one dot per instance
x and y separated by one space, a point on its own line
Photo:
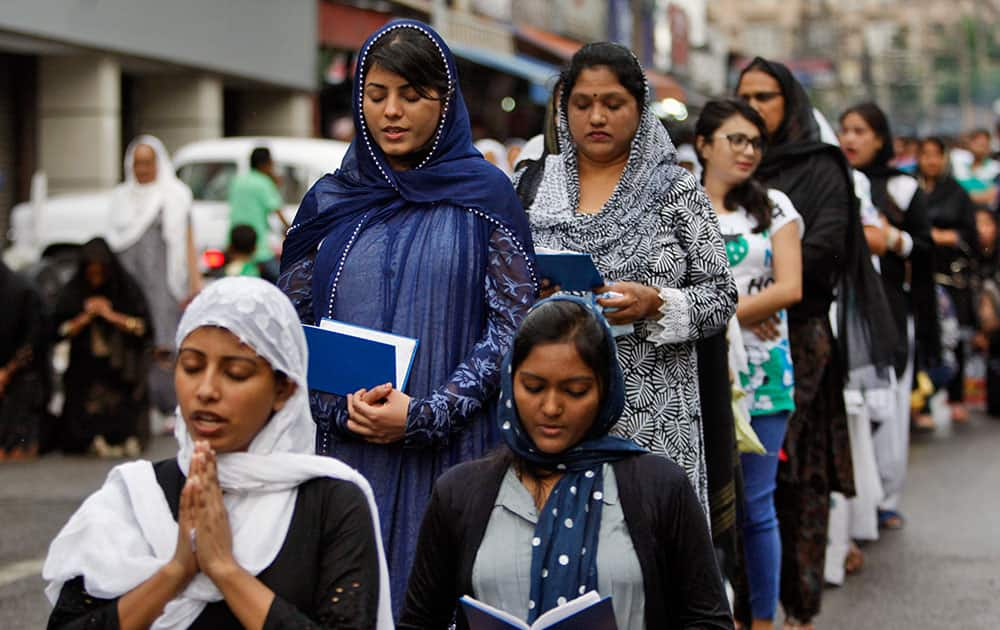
587 612
572 271
344 358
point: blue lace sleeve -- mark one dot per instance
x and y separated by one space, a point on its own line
510 292
329 410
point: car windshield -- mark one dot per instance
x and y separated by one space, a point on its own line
208 181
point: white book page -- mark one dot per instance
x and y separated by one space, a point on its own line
546 250
405 346
565 611
496 612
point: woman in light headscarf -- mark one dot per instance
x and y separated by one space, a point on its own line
242 528
151 233
616 192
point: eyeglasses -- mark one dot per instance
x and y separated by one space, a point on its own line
760 97
739 141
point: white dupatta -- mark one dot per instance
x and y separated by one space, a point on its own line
124 532
135 207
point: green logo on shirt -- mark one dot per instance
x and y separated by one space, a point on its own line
737 248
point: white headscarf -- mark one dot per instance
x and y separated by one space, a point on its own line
124 533
135 207
498 151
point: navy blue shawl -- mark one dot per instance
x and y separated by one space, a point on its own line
365 190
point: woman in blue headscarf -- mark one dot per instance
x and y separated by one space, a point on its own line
415 234
566 508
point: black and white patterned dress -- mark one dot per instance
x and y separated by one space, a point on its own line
658 229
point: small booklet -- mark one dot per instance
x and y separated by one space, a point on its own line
344 358
587 612
572 271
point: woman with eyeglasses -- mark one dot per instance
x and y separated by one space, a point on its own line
762 231
817 180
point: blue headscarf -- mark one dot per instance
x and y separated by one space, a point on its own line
564 548
365 190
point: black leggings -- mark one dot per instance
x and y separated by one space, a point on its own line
956 387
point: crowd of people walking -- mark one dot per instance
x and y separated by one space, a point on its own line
731 407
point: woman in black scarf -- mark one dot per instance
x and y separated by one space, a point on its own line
103 312
815 177
23 371
908 278
953 228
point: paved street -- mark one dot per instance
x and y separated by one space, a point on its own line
942 571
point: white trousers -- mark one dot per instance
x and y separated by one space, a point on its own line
854 519
892 440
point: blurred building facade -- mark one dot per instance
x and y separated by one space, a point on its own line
511 51
934 65
80 78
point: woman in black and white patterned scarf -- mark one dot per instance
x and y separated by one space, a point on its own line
615 191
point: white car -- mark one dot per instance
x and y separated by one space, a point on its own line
45 231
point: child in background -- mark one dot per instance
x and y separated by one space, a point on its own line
239 256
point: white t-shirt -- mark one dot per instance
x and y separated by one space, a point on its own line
770 383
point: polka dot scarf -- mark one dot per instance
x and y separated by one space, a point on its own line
564 547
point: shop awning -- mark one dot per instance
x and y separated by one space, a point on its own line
346 27
556 45
541 75
662 85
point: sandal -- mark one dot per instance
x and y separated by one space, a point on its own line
890 519
923 423
959 413
855 560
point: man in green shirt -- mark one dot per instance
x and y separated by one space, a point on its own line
253 196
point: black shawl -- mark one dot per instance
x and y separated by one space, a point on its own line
21 320
949 207
836 261
916 271
129 353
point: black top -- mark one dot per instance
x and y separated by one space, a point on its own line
325 576
950 208
819 186
909 282
681 581
21 320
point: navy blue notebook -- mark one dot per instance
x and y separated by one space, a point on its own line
569 270
344 358
587 612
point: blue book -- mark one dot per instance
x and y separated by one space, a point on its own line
571 271
344 358
587 612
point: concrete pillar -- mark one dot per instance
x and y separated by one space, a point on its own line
180 109
79 122
276 113
8 173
